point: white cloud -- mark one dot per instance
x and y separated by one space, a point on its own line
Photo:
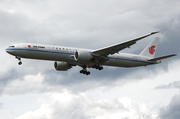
30 83
67 106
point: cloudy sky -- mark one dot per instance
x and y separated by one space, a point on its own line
36 91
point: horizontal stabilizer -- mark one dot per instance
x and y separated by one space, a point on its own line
163 57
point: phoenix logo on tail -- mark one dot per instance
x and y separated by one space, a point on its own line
152 49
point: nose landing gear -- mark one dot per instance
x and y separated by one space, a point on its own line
19 60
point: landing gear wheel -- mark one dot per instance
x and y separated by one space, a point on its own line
87 73
97 66
81 71
19 63
84 72
100 68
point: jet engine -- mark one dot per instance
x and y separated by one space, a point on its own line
83 56
62 66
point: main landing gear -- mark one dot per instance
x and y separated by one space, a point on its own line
97 66
19 60
84 71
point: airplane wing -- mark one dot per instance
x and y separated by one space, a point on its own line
163 57
118 47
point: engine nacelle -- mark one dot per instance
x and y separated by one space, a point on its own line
83 56
62 66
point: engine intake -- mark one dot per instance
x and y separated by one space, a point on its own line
83 56
62 66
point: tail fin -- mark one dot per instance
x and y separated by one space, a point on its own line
150 50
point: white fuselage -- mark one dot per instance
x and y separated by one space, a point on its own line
66 54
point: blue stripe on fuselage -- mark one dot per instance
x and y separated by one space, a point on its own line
38 50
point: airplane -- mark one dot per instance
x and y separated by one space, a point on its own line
66 57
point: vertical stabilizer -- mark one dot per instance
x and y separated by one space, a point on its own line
150 50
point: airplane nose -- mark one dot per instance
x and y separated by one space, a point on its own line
11 51
8 51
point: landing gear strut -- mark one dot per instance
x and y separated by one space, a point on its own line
97 66
84 71
19 60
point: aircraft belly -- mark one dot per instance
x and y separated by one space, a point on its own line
32 54
122 63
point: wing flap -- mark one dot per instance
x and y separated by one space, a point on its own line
163 57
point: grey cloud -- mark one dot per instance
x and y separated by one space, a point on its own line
172 110
108 77
175 84
13 27
8 77
55 81
1 105
89 28
84 24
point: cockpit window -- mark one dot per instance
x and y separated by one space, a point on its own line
11 46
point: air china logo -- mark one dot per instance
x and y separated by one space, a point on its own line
152 49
